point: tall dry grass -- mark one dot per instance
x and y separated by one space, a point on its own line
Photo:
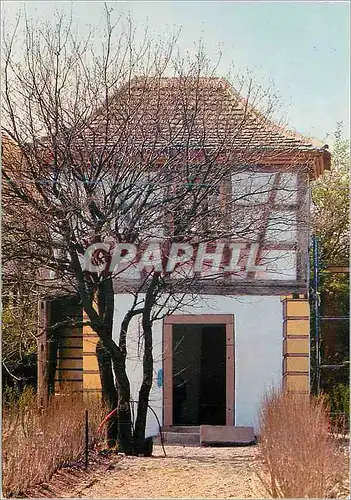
36 442
299 453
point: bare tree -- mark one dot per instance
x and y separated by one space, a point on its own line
133 144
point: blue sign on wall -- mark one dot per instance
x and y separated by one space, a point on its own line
160 378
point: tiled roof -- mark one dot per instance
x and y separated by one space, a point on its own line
192 113
197 112
11 156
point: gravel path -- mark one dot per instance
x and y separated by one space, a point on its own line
186 472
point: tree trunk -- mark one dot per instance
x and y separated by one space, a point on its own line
148 364
105 299
109 393
102 324
125 434
144 392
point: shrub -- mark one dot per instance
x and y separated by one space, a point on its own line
13 397
299 454
36 442
338 399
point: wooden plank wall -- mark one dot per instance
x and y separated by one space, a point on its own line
296 344
69 368
77 367
91 374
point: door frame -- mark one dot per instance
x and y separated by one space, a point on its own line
201 319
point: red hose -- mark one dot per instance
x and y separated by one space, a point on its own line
106 419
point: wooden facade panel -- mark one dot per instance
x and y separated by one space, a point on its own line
91 381
69 375
295 382
70 332
66 333
71 352
89 344
91 375
87 330
90 363
68 363
297 308
296 364
297 327
296 346
72 342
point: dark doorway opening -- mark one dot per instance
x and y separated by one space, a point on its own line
199 374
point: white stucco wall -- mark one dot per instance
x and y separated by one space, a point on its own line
258 324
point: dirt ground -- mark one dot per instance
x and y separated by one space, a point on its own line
186 472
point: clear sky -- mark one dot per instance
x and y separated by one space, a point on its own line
303 47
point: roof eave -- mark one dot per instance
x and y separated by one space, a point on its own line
322 162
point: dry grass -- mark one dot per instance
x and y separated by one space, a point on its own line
300 456
36 442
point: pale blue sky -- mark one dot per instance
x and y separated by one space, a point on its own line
303 47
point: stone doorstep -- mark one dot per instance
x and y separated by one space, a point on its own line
179 438
192 429
226 435
208 435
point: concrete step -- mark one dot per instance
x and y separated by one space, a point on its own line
226 435
179 438
192 429
207 435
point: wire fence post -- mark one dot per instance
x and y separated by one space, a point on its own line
86 449
316 310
